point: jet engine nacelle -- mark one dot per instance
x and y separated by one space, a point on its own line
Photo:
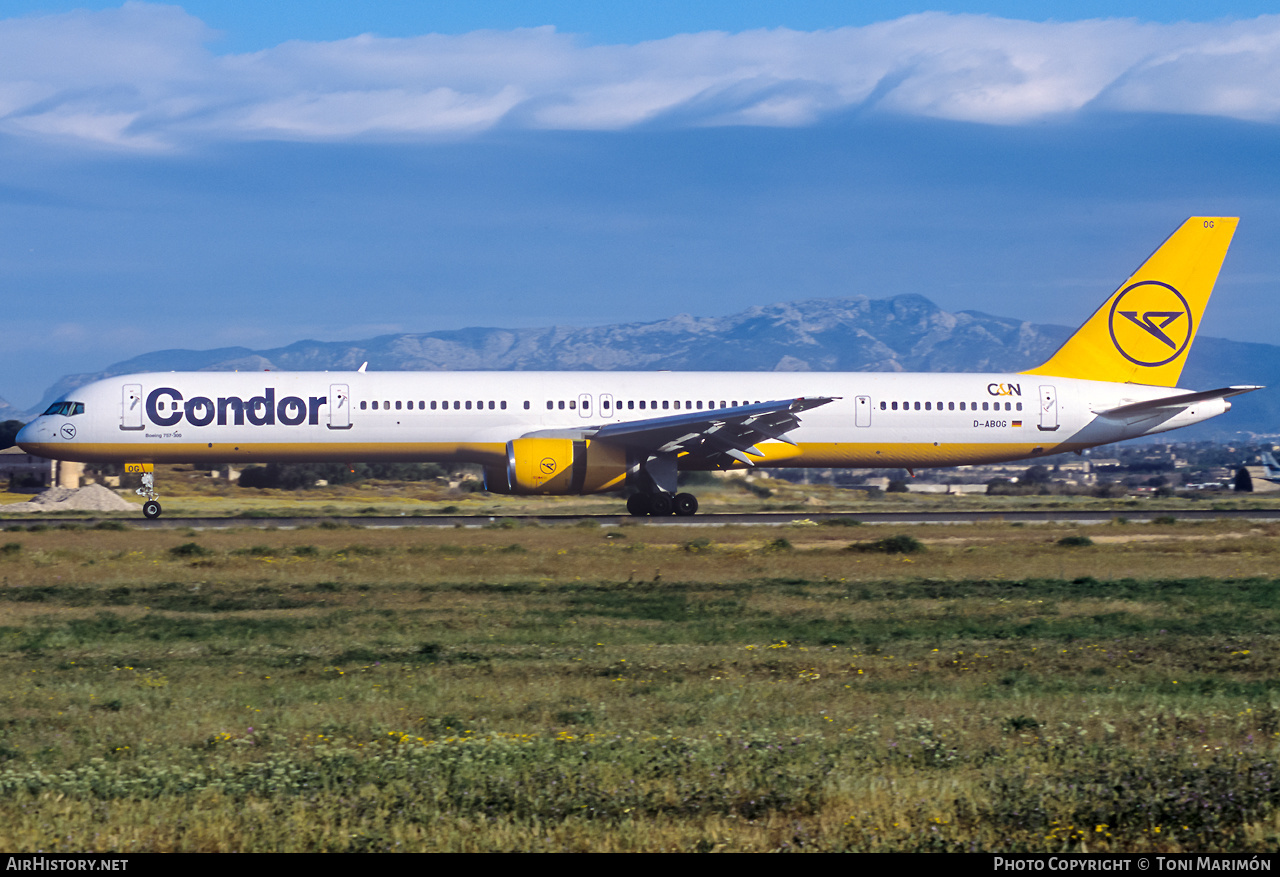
559 466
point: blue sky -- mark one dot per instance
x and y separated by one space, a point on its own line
217 174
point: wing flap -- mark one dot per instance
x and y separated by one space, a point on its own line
715 436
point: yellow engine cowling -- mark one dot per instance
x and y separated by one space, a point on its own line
560 466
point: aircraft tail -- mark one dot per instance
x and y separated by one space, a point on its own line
1273 470
1144 331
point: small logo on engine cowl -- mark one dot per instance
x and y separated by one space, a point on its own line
547 465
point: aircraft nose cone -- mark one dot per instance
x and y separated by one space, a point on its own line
28 433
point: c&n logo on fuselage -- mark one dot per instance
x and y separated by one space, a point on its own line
166 407
1150 323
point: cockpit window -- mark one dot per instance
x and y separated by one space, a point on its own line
66 409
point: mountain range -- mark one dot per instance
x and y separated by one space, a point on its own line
904 333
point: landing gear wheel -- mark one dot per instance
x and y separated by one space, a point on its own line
660 504
150 508
638 505
686 504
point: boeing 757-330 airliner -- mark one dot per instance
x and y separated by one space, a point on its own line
589 432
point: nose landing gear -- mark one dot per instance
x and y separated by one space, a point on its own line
150 508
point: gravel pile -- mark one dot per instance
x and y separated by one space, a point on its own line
94 498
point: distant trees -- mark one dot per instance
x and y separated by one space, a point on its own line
1244 481
1037 475
1001 487
1035 480
8 431
294 476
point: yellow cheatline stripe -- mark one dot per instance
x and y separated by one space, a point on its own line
869 455
850 455
283 452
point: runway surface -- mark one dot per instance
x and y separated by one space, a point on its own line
1096 516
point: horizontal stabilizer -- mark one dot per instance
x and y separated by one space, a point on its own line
1172 403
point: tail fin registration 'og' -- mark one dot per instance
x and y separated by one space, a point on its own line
1144 331
559 433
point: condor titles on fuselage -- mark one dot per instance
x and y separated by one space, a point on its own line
585 432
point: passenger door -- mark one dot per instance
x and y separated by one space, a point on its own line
1048 408
862 411
339 406
131 407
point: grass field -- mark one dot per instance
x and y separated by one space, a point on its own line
965 687
188 492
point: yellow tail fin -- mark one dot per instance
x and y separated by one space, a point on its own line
1144 331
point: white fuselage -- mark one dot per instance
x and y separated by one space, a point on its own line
878 419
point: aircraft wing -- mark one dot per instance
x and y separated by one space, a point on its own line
1153 407
717 436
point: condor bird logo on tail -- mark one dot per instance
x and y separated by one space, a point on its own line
1156 323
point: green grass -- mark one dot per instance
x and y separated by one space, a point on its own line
556 689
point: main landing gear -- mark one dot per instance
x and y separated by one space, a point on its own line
150 508
656 479
659 504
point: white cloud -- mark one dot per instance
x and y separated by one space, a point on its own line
141 77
